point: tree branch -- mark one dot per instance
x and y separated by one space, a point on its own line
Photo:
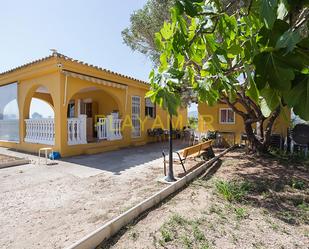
270 124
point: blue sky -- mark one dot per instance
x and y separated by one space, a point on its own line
85 30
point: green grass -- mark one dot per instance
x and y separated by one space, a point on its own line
298 184
166 235
232 190
304 207
205 245
186 233
177 219
187 242
197 233
240 212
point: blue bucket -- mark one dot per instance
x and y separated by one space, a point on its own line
54 156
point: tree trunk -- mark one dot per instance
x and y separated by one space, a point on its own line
254 142
269 127
257 143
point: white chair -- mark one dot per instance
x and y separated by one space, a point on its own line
46 150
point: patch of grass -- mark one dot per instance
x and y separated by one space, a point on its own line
286 158
303 210
180 232
272 224
166 235
177 219
198 234
187 242
217 210
288 217
298 184
304 207
205 245
240 212
232 190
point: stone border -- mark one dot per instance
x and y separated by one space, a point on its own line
14 163
110 228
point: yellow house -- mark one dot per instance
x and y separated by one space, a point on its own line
222 118
95 110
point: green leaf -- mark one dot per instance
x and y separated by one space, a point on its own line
235 49
305 71
282 9
266 111
298 97
271 69
269 102
232 96
163 61
293 96
167 31
252 91
158 41
268 12
190 8
288 40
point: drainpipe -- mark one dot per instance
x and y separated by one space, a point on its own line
65 90
126 97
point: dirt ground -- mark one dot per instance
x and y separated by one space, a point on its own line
54 206
268 208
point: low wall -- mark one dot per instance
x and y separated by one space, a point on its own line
113 226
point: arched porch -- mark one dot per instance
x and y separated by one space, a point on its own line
39 117
93 114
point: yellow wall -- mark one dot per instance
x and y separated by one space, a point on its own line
62 89
208 120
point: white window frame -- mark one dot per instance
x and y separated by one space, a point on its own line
226 109
152 105
133 116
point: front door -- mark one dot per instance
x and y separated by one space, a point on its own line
86 109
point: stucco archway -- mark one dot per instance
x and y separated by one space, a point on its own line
40 128
40 92
93 103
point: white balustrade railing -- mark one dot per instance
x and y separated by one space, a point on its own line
109 128
9 130
102 128
40 131
77 130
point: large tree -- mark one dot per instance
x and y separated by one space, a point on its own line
253 54
145 22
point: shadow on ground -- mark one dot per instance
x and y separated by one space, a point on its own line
279 187
123 159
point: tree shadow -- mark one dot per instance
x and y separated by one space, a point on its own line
280 188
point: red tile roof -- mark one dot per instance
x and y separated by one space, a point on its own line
58 55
